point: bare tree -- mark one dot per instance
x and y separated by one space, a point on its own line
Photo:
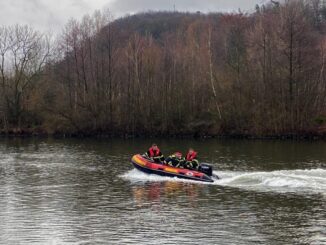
24 52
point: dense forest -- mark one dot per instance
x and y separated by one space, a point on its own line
169 73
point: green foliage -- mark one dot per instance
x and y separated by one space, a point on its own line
320 120
236 48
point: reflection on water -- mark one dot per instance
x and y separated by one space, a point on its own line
85 191
154 192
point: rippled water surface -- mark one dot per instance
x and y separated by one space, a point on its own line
87 192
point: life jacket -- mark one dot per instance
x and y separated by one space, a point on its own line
153 153
192 156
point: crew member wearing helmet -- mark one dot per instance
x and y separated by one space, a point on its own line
175 160
155 154
191 160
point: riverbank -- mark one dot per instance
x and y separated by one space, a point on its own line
316 135
180 74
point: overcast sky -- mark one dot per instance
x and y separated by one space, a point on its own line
51 15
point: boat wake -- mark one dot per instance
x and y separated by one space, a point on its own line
313 180
281 181
138 176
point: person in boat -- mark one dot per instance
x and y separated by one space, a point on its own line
155 154
176 160
191 161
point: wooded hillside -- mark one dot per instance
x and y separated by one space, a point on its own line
170 73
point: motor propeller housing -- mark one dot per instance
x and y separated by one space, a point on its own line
206 169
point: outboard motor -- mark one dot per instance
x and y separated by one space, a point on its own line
206 169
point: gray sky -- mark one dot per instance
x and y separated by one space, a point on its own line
51 15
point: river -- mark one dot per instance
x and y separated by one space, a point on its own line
85 191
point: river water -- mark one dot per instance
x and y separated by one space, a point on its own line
58 191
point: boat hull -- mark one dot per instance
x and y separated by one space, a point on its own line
150 167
